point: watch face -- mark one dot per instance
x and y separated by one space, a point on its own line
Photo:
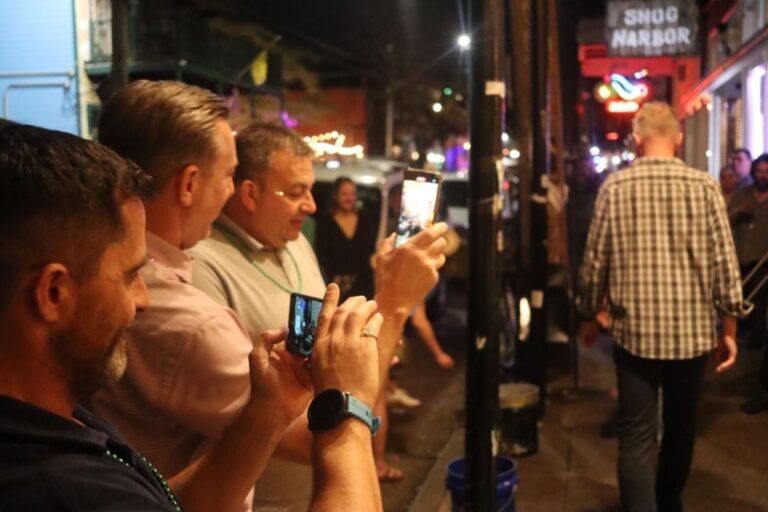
326 410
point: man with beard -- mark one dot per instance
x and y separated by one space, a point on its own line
256 255
748 212
188 377
72 228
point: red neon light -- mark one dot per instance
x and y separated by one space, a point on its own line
612 136
622 107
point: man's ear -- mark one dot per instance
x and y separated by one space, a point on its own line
249 192
187 184
55 293
679 139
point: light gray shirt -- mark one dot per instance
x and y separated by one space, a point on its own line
237 271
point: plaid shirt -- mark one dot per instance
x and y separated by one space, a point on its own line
660 251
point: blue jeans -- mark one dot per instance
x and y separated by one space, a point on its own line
644 488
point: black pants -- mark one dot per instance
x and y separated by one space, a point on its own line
643 488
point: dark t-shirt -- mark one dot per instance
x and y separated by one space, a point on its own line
346 261
48 462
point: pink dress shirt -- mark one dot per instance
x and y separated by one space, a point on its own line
187 377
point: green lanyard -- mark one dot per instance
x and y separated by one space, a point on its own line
237 243
169 494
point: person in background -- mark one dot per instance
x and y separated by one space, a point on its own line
728 182
660 252
741 163
748 213
345 242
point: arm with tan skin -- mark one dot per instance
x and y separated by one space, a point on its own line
424 328
726 351
404 276
342 458
281 390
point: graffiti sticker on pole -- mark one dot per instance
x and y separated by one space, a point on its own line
648 28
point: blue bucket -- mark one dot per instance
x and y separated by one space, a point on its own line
506 484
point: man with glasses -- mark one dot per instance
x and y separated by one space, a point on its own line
188 380
256 255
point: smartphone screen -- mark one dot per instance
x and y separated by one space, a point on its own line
302 323
418 205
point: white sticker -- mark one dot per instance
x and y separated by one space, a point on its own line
537 299
495 88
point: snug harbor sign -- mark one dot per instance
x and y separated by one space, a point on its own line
651 28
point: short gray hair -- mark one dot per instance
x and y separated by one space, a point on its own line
655 119
255 145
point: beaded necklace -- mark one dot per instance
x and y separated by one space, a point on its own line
155 474
235 241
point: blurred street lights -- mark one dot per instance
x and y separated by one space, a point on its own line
464 41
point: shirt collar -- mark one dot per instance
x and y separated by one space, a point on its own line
25 423
230 229
22 421
170 256
655 160
744 182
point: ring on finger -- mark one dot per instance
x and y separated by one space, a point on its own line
367 332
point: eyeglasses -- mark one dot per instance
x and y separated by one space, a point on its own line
305 196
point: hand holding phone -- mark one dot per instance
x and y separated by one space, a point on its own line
302 323
418 205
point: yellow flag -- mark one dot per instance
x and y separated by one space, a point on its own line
259 68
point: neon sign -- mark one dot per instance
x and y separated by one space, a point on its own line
627 90
622 107
616 86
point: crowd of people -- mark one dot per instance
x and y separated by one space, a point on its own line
149 276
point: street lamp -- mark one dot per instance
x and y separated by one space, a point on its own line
464 41
437 107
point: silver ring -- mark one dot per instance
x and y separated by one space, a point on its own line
367 332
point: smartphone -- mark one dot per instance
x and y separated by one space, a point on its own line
302 323
418 204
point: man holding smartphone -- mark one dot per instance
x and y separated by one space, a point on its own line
256 255
188 379
74 256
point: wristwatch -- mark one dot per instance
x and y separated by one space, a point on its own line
332 406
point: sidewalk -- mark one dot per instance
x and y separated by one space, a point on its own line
574 469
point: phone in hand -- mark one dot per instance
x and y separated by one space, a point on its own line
418 204
302 323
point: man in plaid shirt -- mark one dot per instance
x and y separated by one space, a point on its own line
661 256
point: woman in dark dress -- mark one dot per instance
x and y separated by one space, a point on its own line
345 242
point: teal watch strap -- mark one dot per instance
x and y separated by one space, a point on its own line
359 410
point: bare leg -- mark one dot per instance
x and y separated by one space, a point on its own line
427 334
385 472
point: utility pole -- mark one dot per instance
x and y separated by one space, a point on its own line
389 99
119 75
538 198
487 91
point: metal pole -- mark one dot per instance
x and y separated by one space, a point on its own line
486 106
538 201
119 78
